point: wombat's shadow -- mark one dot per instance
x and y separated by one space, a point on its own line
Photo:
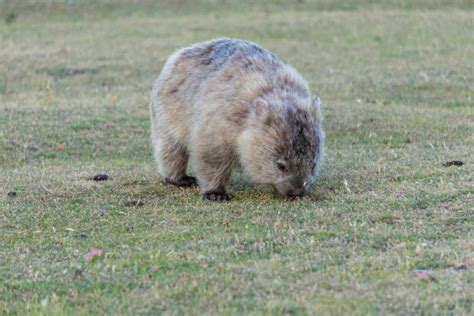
327 185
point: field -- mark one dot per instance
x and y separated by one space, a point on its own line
387 230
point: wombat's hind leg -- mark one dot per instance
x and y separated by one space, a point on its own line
172 159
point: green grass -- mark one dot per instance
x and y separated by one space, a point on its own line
395 79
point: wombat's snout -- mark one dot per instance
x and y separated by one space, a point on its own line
290 191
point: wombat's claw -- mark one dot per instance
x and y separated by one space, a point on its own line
184 181
214 196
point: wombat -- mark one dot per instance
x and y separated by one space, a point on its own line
231 102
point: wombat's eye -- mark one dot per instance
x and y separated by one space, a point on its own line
281 166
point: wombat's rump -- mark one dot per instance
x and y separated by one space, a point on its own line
227 102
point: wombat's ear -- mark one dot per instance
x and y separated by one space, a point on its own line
260 107
316 108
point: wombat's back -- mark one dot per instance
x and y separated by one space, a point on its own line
186 71
231 70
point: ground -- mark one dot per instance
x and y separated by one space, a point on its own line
387 230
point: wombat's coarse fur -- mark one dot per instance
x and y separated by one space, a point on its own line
227 102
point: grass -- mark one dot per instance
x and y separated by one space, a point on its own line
396 83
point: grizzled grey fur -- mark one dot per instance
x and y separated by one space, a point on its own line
230 102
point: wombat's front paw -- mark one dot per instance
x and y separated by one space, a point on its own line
184 181
216 196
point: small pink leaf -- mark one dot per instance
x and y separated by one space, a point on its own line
96 251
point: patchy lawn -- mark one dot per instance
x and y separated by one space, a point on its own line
387 230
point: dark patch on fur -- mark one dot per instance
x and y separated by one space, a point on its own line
177 85
304 137
227 77
286 81
299 142
238 118
222 52
266 89
271 121
247 63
